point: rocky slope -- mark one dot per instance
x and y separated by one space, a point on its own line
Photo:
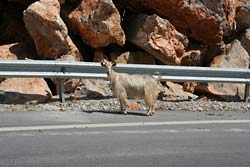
173 32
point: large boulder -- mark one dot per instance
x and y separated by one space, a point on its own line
16 51
24 90
245 41
137 57
6 54
49 32
235 56
192 58
69 84
100 55
92 89
175 91
202 20
225 11
97 22
21 90
157 36
243 16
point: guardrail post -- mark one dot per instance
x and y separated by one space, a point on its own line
247 86
61 90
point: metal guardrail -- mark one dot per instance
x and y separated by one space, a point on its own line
62 69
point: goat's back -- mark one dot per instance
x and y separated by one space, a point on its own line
136 85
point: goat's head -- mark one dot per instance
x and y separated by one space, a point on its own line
108 66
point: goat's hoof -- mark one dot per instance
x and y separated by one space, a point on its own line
125 112
150 114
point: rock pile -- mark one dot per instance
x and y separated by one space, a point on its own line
173 32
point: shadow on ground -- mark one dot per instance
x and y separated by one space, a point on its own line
115 112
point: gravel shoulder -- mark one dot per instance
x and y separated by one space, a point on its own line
111 104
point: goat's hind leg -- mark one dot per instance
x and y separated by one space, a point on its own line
122 96
151 111
149 101
123 106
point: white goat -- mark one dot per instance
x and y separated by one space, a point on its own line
125 85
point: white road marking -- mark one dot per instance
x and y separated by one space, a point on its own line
122 132
131 124
237 130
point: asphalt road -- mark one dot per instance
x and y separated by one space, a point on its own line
174 139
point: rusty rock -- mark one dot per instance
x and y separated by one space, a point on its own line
245 41
24 90
189 86
19 50
49 32
175 91
138 57
156 36
192 58
97 22
243 16
193 19
100 55
234 57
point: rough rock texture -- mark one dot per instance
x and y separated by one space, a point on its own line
97 22
69 84
189 86
235 57
212 51
50 34
243 16
175 91
17 51
157 36
6 54
24 90
100 55
240 3
225 10
245 41
93 89
192 18
138 57
192 58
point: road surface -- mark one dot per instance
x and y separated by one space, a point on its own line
174 139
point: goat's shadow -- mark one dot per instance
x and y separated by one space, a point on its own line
115 112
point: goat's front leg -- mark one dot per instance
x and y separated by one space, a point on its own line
151 111
123 106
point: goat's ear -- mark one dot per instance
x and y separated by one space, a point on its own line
113 64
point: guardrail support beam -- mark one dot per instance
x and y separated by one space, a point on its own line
247 86
61 90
